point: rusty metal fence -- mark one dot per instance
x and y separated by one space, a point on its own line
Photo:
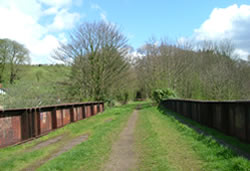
19 125
230 117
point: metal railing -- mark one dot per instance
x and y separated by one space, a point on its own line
20 125
230 117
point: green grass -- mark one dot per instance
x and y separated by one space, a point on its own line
45 85
41 74
160 146
163 143
89 155
233 141
213 155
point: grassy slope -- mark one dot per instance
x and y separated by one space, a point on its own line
165 144
29 73
87 156
39 86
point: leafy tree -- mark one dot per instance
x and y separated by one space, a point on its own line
12 56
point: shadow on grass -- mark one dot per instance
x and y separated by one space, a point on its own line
237 147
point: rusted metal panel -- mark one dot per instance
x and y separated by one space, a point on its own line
75 115
101 107
98 108
80 113
37 123
59 118
95 109
66 116
54 119
10 130
45 122
18 125
88 111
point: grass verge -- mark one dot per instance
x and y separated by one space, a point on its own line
213 155
160 146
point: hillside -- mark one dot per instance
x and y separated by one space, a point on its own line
36 85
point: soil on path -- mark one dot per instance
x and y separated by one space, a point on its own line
46 143
66 147
123 156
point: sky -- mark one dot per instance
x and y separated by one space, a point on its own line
42 24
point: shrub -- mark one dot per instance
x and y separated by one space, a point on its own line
163 94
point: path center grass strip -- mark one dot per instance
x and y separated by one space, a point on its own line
102 129
163 143
161 146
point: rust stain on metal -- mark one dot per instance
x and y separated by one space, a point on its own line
20 125
10 130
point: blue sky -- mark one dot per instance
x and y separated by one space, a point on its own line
142 19
41 24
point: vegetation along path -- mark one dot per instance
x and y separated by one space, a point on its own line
125 138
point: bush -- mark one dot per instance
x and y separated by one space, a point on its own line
163 94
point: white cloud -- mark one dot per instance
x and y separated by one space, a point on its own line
102 13
104 17
21 22
44 46
50 11
64 20
231 23
30 7
96 6
243 54
57 3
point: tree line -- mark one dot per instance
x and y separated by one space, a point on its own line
206 70
102 67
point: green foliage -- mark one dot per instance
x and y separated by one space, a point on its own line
123 97
163 94
109 102
12 56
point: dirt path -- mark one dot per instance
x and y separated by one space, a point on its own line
123 156
46 143
66 147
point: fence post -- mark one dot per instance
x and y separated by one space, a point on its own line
25 130
92 109
54 118
83 111
248 123
103 107
72 114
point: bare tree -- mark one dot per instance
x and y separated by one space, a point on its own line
97 54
